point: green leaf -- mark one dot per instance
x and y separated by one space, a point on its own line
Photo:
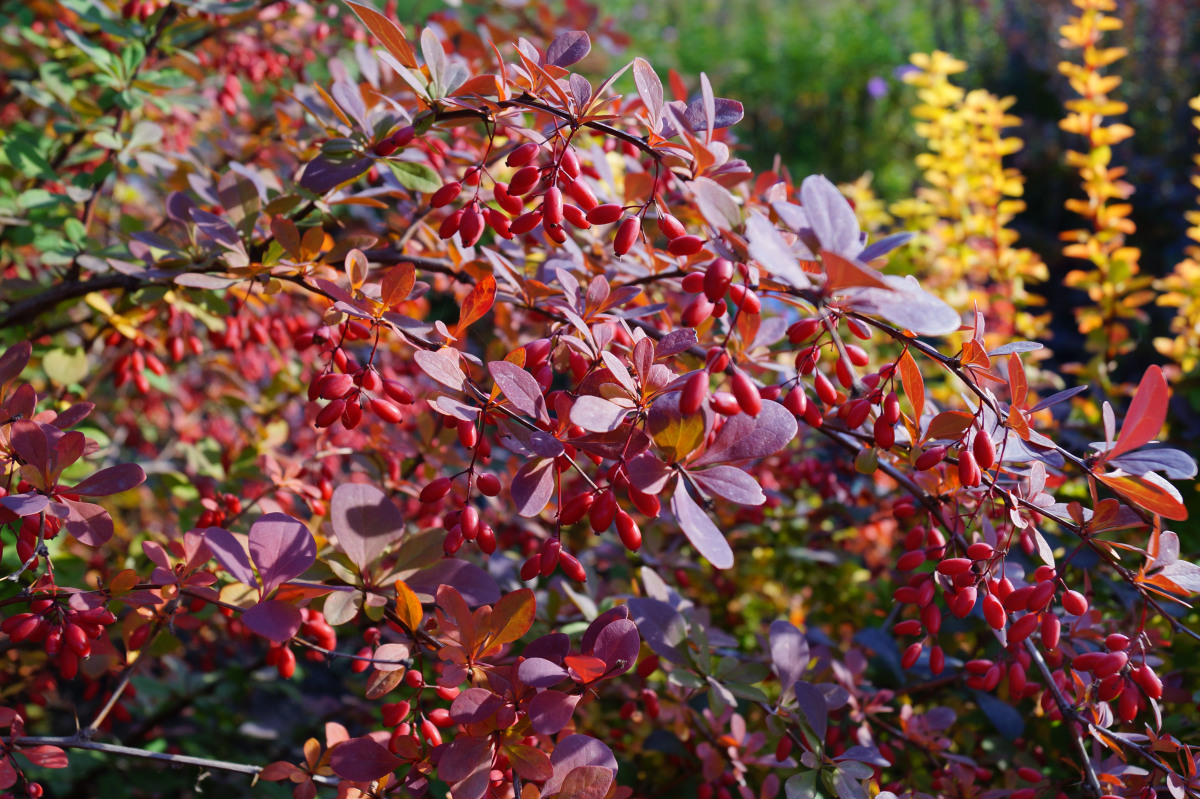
66 366
27 160
416 177
801 786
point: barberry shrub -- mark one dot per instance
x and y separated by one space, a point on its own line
541 445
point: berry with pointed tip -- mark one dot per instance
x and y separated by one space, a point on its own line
695 391
446 194
605 214
627 234
628 531
746 394
522 155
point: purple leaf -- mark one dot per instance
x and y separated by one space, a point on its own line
587 782
650 89
618 645
789 653
441 367
588 642
568 48
661 625
89 524
768 247
532 486
25 504
282 548
540 673
648 474
675 342
830 216
885 245
466 765
1174 464
520 388
730 483
112 480
552 647
475 705
573 752
745 437
1022 346
476 586
365 521
362 760
28 440
230 553
1054 399
699 529
13 362
76 414
322 175
813 706
273 619
597 415
905 304
550 711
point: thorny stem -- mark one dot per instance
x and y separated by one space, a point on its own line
81 742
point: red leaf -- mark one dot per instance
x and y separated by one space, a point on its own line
362 760
1150 491
466 765
45 756
112 480
387 32
277 771
587 668
1146 415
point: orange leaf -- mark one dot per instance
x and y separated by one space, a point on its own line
480 84
512 616
397 284
408 607
842 272
123 582
914 384
1146 415
1149 493
948 424
387 32
1017 382
477 303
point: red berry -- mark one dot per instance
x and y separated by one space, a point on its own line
446 194
695 391
627 234
746 393
605 214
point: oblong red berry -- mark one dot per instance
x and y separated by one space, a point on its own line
446 194
685 246
627 234
671 227
605 214
746 394
695 391
522 155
